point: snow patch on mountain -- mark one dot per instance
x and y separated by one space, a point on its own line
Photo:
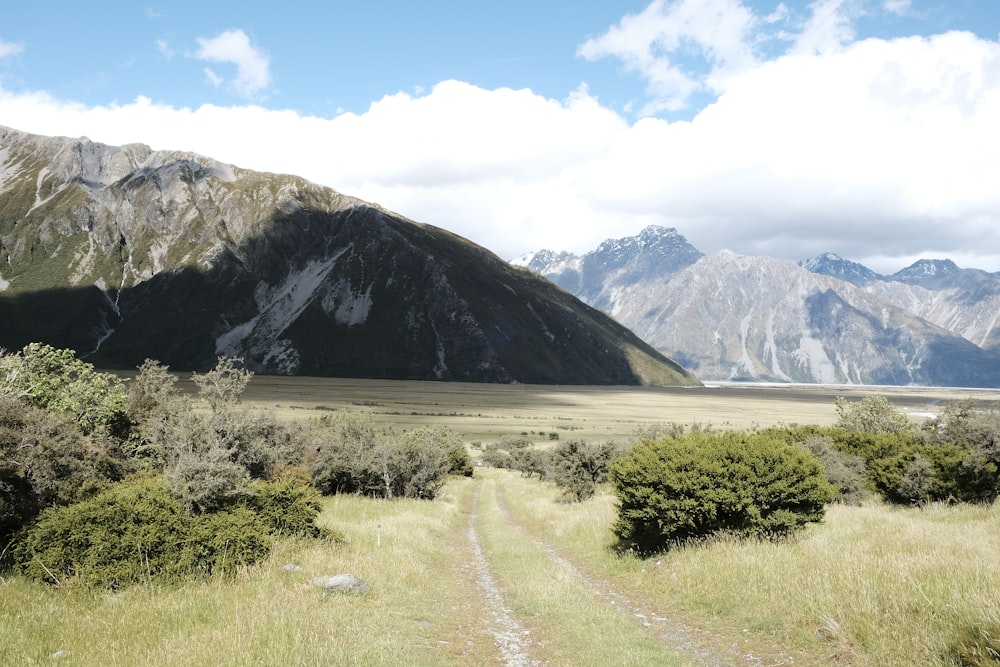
349 306
811 356
278 307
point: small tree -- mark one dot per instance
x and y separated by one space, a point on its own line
678 489
356 455
578 467
872 414
57 381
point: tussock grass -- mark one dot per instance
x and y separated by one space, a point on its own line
419 610
873 585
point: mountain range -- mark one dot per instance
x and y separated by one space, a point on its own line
126 253
826 320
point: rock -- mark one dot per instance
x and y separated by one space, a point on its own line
291 567
341 583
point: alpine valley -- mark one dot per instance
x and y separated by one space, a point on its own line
125 253
826 320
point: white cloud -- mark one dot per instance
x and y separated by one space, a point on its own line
167 51
830 26
897 6
882 151
650 44
8 49
214 79
253 73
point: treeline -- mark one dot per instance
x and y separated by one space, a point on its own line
109 482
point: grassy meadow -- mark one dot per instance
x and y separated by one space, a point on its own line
873 585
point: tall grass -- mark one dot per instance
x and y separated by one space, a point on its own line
874 585
417 613
568 624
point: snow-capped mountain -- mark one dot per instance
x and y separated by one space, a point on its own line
830 264
825 320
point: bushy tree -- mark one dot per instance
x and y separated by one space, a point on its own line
577 467
210 456
872 414
57 381
693 486
356 455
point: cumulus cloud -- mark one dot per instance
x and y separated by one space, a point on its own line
882 151
253 73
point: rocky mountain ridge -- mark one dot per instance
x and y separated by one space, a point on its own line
125 253
824 320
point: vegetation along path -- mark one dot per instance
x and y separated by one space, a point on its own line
694 645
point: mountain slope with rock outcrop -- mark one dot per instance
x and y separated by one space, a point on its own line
125 253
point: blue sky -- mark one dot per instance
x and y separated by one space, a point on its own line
862 127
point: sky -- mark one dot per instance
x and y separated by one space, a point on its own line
866 128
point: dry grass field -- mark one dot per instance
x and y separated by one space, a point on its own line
487 412
501 570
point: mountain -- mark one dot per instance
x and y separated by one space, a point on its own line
825 320
597 276
125 253
835 266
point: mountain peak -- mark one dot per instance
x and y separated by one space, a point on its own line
929 273
832 264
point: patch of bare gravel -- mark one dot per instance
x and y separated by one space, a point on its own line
511 638
698 645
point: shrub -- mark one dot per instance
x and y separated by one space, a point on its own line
676 489
976 431
578 467
57 381
288 506
459 462
45 460
356 455
872 414
845 472
136 531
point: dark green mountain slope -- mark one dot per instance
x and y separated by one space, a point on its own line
126 253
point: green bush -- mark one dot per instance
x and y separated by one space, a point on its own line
578 467
459 462
356 455
288 506
46 460
137 531
693 486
